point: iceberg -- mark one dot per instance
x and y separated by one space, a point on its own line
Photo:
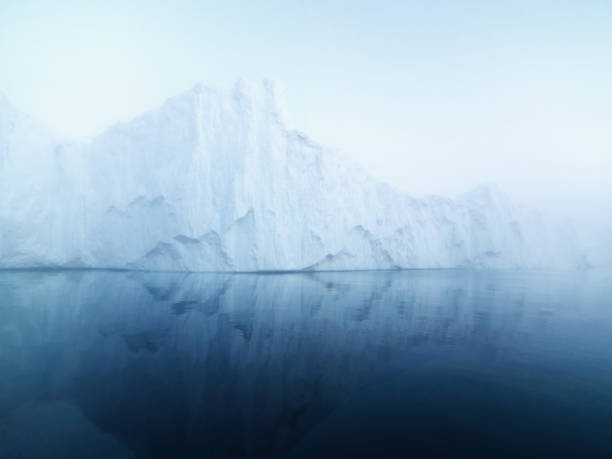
215 180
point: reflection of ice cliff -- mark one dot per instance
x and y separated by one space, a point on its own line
253 361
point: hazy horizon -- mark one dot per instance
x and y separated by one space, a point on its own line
433 99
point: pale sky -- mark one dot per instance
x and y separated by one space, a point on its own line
431 96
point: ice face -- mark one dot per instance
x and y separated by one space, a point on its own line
214 180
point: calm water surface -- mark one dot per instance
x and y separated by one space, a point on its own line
473 364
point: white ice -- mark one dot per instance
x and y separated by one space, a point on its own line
215 181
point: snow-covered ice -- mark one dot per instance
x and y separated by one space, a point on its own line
214 180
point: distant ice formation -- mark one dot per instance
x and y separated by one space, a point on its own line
215 181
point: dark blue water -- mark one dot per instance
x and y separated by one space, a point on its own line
471 364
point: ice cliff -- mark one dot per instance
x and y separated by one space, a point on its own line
215 181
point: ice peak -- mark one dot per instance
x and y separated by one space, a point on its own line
265 96
4 101
7 109
487 192
487 188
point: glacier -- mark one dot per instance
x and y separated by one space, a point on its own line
215 180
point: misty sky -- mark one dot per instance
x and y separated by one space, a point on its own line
432 96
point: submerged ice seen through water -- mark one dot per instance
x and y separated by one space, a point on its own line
444 363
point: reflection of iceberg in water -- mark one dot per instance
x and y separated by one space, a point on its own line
231 365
